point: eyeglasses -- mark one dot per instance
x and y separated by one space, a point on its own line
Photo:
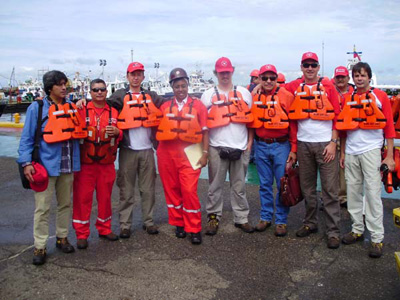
307 65
265 78
96 90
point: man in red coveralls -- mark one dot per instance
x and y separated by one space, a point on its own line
98 170
316 150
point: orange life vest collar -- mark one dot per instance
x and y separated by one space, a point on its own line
311 103
223 111
361 111
138 112
64 123
98 146
183 125
268 112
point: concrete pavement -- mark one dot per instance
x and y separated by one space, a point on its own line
230 265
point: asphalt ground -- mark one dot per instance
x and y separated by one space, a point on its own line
229 265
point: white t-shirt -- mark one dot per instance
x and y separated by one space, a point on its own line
140 137
233 135
359 141
313 131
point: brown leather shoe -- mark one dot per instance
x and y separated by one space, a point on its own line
152 229
262 225
82 244
352 237
246 227
125 233
212 224
39 256
280 230
306 231
111 236
64 245
333 242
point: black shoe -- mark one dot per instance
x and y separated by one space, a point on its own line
82 244
246 227
112 237
64 245
39 256
180 232
125 234
196 238
152 229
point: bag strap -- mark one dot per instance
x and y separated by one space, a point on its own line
38 133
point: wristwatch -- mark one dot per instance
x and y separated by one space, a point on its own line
334 141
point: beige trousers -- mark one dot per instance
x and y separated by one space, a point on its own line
62 185
362 173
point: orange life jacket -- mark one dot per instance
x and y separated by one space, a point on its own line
180 124
224 111
311 103
395 101
268 112
360 111
64 123
98 146
138 112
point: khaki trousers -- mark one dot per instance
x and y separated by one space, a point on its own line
362 171
136 164
62 185
217 170
311 160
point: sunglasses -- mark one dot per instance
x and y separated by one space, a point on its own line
265 78
307 65
96 90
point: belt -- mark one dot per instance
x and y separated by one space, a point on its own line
281 139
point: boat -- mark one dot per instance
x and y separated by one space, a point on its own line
388 88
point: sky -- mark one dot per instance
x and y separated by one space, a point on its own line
72 36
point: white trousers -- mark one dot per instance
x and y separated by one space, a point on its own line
362 173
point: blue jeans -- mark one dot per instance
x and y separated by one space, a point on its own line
271 162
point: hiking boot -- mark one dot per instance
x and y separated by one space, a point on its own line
125 233
64 245
376 250
351 238
306 231
333 242
112 237
152 229
196 238
280 230
212 224
82 244
39 256
262 225
246 227
180 232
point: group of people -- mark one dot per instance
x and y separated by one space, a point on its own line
288 122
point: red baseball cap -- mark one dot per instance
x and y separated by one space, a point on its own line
223 64
281 78
41 178
134 67
268 68
254 73
309 55
341 71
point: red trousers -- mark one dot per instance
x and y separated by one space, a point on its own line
91 177
180 186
